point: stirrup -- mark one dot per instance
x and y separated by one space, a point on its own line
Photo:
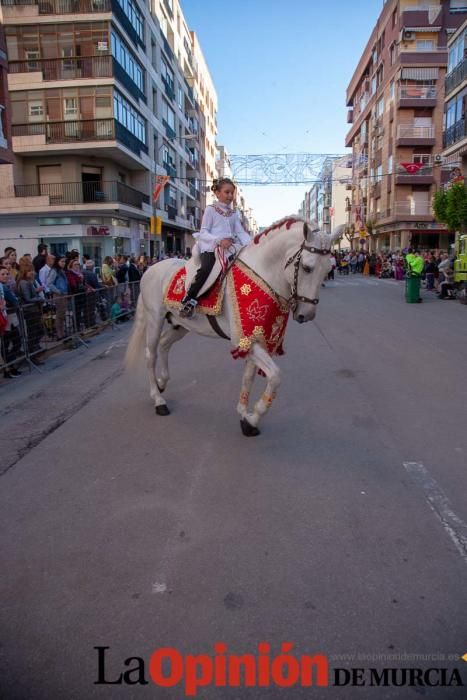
188 308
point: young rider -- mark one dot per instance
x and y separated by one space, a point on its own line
221 227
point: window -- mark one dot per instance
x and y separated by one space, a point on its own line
128 62
168 156
458 6
168 115
134 15
70 107
456 52
36 109
167 74
380 107
379 173
180 97
425 45
392 54
423 158
390 165
391 90
127 115
394 18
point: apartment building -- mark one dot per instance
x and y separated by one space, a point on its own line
455 98
6 154
325 202
395 100
103 99
224 169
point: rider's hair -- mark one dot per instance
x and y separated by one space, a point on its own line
218 184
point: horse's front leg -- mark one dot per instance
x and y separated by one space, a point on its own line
247 383
263 361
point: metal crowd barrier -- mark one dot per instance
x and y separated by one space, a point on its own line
41 326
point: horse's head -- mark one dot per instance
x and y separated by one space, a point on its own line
308 270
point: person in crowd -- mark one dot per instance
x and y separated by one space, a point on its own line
92 286
399 268
11 278
11 256
41 257
11 338
30 294
76 288
57 284
446 290
333 261
44 272
430 270
220 228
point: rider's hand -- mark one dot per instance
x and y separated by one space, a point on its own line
225 243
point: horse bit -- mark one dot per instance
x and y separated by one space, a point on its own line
294 297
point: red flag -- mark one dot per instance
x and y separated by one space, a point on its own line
412 168
161 181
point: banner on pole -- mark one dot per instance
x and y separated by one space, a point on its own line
161 181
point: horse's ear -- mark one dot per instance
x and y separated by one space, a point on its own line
305 231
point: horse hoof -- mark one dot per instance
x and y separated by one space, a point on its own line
247 429
162 410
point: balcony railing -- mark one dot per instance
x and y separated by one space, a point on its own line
169 90
417 92
407 131
455 133
83 130
455 77
85 193
171 169
68 131
167 49
65 68
418 169
63 7
169 131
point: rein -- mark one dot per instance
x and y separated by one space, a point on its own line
294 297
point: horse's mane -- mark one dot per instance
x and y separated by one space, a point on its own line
287 221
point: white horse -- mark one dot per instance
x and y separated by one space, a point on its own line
291 257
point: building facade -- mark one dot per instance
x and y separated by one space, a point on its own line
6 153
326 202
224 169
455 99
395 100
103 99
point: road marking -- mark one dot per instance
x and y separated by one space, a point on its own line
159 587
439 503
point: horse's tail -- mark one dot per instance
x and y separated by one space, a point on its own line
137 339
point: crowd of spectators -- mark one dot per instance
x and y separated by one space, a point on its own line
52 298
435 267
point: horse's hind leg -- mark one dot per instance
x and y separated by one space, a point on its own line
247 383
170 336
153 334
263 361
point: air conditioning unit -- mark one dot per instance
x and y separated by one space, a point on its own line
408 35
437 159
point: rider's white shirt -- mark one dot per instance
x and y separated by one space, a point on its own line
215 227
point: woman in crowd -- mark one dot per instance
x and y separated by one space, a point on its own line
58 285
76 288
31 296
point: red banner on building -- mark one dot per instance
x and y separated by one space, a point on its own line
412 168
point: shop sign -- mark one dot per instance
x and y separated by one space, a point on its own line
98 231
102 46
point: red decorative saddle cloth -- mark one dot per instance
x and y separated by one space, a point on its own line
260 317
210 303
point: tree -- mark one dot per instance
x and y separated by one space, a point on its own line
450 207
349 232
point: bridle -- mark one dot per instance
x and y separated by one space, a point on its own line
296 258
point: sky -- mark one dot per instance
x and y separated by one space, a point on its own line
281 69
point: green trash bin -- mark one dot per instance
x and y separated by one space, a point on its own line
412 289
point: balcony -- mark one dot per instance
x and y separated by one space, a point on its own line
169 89
170 169
126 23
171 211
65 68
166 46
53 7
437 56
84 193
350 116
407 211
422 15
32 137
414 174
169 131
417 96
456 132
455 77
409 135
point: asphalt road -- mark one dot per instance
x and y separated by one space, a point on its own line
341 529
